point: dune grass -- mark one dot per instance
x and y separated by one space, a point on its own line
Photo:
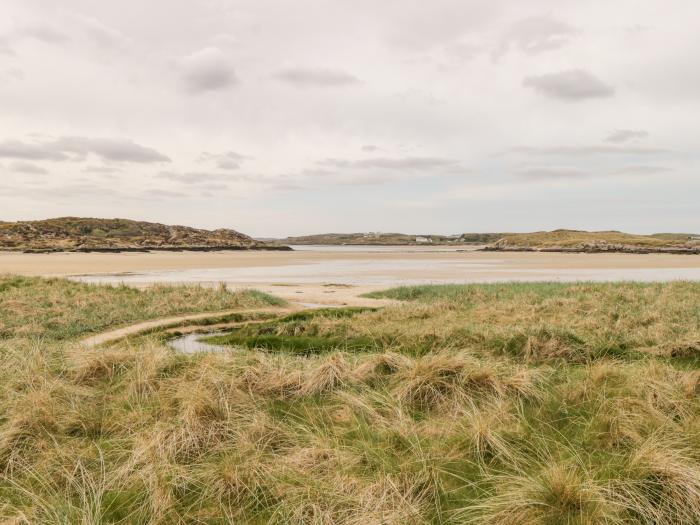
573 238
529 404
59 309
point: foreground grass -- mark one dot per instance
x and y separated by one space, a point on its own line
545 404
58 309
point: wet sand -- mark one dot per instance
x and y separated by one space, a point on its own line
333 276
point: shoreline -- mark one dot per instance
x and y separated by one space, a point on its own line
633 250
338 276
149 249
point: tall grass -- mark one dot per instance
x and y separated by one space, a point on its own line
58 309
465 411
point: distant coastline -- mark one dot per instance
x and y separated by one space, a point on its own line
80 234
564 241
594 249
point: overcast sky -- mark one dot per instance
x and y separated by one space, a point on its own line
277 118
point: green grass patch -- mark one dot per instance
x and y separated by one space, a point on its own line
60 309
328 313
300 345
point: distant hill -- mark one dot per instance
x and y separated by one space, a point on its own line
112 235
605 241
390 239
548 241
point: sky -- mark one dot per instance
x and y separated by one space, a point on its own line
281 118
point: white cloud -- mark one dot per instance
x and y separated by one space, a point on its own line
100 33
318 77
552 172
401 101
386 163
207 70
229 160
77 148
28 168
572 85
625 135
537 34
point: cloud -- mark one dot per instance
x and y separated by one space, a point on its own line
14 149
116 150
365 180
104 170
28 168
11 74
78 190
583 151
5 47
100 33
373 171
207 70
41 32
370 148
535 35
193 177
572 85
624 135
157 193
404 163
44 33
560 172
551 172
229 160
77 148
644 170
316 77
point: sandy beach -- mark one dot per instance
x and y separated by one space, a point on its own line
333 275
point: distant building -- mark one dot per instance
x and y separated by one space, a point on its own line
423 239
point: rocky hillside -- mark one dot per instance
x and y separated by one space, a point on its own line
86 234
597 242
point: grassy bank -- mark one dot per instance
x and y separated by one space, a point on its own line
605 240
59 309
546 404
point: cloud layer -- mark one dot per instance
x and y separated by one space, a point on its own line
279 118
77 148
206 70
572 85
316 77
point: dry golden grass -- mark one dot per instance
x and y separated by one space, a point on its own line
453 415
576 238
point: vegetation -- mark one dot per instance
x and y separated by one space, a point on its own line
58 309
601 241
86 234
557 240
389 239
516 403
294 333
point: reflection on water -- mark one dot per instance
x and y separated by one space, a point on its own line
191 344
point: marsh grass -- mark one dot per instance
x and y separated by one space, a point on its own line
524 404
299 333
58 309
